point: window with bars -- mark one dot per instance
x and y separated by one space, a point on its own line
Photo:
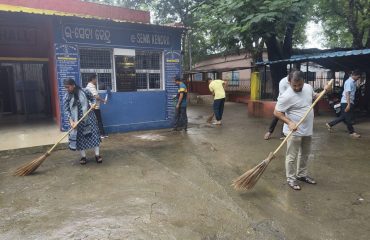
234 81
141 81
95 58
99 62
148 70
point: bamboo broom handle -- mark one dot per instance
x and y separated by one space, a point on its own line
70 130
304 117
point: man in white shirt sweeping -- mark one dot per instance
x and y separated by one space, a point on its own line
290 108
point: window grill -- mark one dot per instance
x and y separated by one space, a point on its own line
148 60
95 58
154 81
104 81
99 62
234 78
148 70
85 78
141 81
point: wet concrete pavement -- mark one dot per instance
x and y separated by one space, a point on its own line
18 132
165 185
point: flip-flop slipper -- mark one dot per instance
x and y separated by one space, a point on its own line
98 159
294 185
83 161
307 179
267 136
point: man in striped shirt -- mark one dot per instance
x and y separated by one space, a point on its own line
91 87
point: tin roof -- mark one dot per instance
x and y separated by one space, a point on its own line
340 60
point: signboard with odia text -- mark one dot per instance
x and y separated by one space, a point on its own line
139 35
67 61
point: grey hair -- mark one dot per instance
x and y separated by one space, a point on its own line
296 76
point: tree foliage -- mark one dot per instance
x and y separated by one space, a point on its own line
251 24
346 23
186 12
231 25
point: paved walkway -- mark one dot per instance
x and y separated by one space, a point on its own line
16 132
164 185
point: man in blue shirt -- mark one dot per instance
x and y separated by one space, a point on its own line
181 118
347 104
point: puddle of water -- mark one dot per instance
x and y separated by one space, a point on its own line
151 137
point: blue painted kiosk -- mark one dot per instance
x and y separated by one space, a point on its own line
137 62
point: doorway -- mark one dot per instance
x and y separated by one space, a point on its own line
25 91
6 91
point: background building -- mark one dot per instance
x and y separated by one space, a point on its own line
43 43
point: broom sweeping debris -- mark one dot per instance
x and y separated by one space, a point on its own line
250 178
30 167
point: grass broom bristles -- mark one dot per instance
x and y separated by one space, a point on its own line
250 178
30 167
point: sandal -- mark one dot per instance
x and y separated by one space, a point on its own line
307 179
293 184
267 136
83 161
98 159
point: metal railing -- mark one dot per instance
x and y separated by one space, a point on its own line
239 86
317 84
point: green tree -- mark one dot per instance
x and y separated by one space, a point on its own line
251 24
231 25
346 23
187 13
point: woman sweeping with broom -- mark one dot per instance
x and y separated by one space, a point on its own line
80 116
86 134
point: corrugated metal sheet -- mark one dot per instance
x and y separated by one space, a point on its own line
311 57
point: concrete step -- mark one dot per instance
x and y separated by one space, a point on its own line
31 150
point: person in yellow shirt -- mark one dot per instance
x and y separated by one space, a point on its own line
217 88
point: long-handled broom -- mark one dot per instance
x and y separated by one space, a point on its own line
30 167
250 178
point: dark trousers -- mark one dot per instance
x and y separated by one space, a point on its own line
346 117
218 108
100 121
273 124
181 119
